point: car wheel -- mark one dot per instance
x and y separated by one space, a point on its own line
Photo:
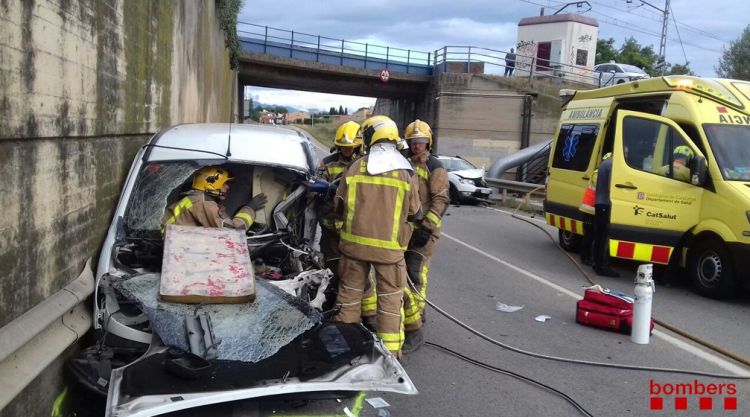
569 241
454 196
710 269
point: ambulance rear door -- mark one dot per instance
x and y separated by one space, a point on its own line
652 205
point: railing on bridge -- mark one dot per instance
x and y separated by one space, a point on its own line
304 46
316 48
492 61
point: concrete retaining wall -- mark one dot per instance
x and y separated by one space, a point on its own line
83 84
479 117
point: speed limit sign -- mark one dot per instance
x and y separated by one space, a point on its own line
385 75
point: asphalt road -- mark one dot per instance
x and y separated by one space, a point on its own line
485 257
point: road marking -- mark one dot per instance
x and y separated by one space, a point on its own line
707 356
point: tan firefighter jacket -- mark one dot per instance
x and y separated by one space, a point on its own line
197 208
376 210
433 190
332 167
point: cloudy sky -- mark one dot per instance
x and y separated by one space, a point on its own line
426 25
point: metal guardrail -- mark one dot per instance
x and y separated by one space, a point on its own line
523 187
525 65
31 342
331 50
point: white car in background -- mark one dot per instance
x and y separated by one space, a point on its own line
613 73
466 181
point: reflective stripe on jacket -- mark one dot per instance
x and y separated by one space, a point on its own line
433 190
197 208
332 167
374 209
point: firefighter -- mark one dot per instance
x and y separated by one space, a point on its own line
434 196
201 205
348 142
376 199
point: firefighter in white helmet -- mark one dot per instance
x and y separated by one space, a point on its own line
434 196
376 199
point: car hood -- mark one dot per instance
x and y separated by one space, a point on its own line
469 173
273 345
375 371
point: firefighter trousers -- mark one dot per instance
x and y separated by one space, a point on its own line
390 280
329 246
418 267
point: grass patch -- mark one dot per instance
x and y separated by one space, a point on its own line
323 132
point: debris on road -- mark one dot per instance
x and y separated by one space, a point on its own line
542 318
505 308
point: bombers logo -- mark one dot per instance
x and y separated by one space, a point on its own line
692 395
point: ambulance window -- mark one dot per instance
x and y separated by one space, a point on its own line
656 148
574 146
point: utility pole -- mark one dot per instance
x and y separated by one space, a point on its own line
661 64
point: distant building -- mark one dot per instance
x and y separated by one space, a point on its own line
361 114
557 44
271 118
298 117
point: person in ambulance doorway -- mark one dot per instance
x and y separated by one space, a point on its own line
434 197
602 212
376 199
348 143
201 206
679 168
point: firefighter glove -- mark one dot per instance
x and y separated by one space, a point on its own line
419 238
258 202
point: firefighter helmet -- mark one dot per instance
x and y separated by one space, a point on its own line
683 151
348 135
210 179
419 132
378 129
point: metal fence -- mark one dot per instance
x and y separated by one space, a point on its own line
266 39
317 48
492 61
535 169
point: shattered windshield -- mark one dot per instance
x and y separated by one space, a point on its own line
157 184
731 147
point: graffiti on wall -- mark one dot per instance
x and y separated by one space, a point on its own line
525 50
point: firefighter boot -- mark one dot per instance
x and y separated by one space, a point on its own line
414 340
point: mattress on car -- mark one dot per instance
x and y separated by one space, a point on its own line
206 265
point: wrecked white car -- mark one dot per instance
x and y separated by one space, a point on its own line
153 357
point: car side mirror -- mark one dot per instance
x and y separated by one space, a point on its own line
698 170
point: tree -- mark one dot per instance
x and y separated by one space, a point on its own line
678 69
632 53
341 109
605 51
735 61
346 110
332 111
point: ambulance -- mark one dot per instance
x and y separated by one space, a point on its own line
680 185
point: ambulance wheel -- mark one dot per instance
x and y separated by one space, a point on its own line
710 269
569 241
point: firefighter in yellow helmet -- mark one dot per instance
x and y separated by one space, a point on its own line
679 168
348 142
376 199
201 206
433 194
